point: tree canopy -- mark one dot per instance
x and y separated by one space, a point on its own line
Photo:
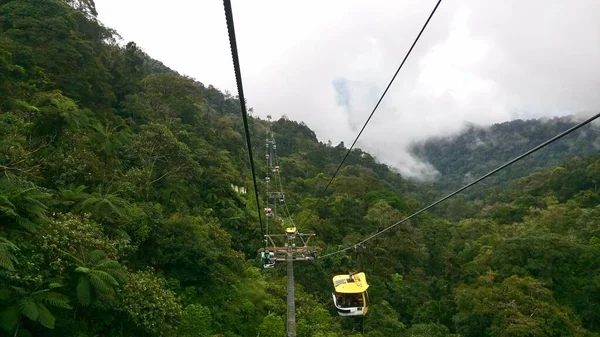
118 216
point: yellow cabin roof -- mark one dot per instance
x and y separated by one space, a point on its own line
290 230
357 284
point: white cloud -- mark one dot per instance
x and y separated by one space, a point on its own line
478 61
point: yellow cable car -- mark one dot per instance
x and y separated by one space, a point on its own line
350 296
291 231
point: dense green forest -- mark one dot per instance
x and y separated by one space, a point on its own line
117 215
477 150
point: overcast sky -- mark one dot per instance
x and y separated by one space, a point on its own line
327 62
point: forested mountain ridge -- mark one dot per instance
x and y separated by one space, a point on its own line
477 150
117 216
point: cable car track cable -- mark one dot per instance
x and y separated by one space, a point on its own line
548 142
373 112
238 80
286 209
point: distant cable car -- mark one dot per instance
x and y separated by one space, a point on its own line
291 231
282 198
276 169
350 296
268 211
267 156
268 259
267 179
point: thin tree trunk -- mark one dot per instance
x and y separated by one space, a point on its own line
18 324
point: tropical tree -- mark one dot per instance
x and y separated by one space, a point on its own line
7 259
98 276
19 303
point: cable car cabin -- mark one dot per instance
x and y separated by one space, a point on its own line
350 296
268 211
291 231
268 259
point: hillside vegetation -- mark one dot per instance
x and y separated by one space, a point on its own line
477 150
117 215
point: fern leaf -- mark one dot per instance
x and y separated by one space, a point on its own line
54 285
106 277
27 224
108 264
6 261
99 284
119 274
9 318
7 207
29 308
45 316
57 300
7 245
96 256
83 291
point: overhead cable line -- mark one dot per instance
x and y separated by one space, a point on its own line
548 142
373 112
286 209
238 80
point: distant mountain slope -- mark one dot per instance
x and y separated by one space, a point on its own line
477 150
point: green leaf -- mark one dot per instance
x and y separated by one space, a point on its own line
108 264
29 308
99 284
24 105
4 294
106 277
19 290
6 261
45 316
54 285
83 291
9 318
27 224
96 256
57 300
